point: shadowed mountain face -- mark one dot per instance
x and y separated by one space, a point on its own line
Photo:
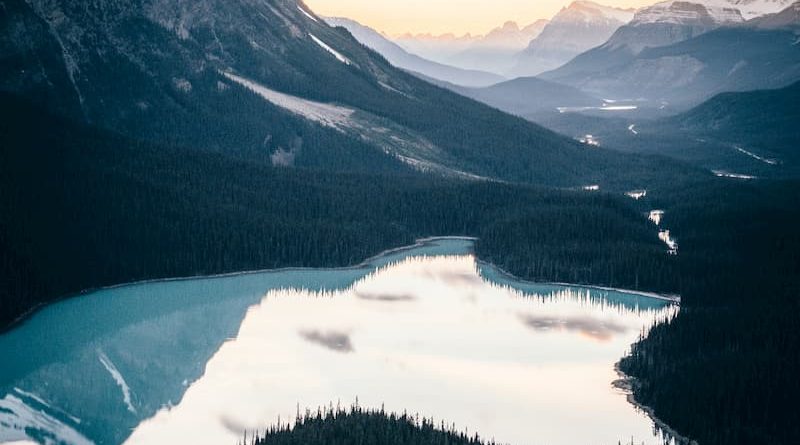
267 80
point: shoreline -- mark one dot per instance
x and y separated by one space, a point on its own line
673 298
626 385
420 242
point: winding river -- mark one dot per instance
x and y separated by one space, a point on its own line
427 330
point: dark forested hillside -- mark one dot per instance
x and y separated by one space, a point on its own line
82 207
725 370
751 133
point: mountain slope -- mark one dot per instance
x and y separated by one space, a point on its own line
758 128
750 134
255 79
528 96
576 28
401 58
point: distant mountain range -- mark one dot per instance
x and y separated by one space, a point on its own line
576 28
684 53
494 52
401 58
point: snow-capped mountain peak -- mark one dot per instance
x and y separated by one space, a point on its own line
756 8
685 12
707 11
588 11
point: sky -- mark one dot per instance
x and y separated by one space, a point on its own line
443 16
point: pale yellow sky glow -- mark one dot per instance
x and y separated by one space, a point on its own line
442 16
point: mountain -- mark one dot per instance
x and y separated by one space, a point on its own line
266 81
751 134
439 48
576 28
740 56
496 50
528 96
401 58
493 52
758 128
660 25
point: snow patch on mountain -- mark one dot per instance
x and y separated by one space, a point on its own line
332 116
716 11
307 14
327 48
757 8
683 12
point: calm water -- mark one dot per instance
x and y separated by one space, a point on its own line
425 330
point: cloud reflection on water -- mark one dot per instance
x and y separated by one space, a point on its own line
591 327
335 341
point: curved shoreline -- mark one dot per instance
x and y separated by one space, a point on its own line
420 242
626 385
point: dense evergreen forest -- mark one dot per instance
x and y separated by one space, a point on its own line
357 426
724 371
82 208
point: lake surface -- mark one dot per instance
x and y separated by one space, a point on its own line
425 330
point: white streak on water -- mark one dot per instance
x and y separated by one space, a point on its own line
656 215
725 174
117 376
636 194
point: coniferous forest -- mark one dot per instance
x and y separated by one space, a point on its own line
358 426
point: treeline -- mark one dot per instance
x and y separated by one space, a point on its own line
82 208
358 426
725 370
